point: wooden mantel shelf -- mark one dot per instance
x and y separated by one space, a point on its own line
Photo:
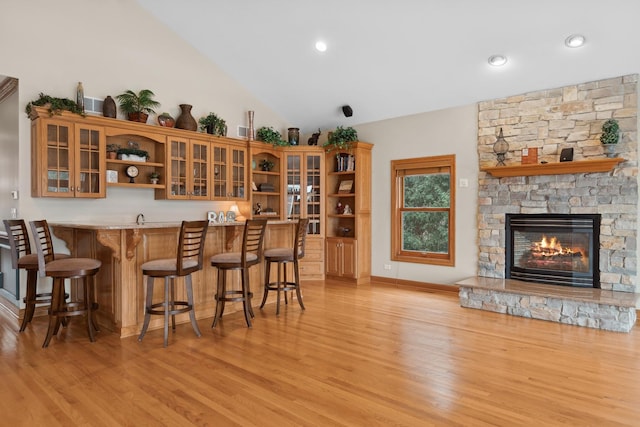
560 168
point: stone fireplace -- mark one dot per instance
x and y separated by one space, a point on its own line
551 120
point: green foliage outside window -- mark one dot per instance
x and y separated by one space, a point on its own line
426 230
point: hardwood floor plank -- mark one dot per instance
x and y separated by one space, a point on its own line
367 355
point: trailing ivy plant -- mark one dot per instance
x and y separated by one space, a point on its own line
270 136
55 105
341 139
610 132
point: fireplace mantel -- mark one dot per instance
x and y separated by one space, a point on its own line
560 168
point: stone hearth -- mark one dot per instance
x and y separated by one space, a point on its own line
590 307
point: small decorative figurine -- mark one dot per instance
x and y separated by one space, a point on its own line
314 138
339 208
347 210
258 209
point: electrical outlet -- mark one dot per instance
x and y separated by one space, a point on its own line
464 182
14 213
387 266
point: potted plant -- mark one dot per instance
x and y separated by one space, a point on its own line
54 105
137 106
133 154
213 125
154 177
270 136
267 165
610 135
112 151
341 139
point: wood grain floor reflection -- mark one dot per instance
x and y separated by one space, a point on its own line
366 356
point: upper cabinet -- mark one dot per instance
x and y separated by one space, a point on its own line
187 169
67 157
229 170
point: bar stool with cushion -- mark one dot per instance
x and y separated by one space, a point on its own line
21 257
251 254
59 270
188 260
283 256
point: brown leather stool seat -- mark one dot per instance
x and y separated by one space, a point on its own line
188 260
283 256
22 258
61 269
251 254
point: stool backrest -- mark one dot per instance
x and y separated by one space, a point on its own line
300 238
43 243
18 239
191 246
252 241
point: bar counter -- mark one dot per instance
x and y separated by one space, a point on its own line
123 248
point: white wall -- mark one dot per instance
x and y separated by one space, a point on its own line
9 153
111 46
451 131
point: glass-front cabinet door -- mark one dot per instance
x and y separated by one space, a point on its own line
238 172
229 164
90 152
199 184
303 188
177 168
59 159
219 172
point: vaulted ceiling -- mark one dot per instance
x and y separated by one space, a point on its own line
387 59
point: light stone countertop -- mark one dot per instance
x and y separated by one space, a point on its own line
146 225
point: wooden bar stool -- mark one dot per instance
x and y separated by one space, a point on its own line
251 254
283 256
22 258
188 260
59 270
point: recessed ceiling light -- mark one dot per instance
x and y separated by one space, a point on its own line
497 60
574 40
321 46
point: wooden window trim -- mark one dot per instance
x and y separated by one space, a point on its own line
401 168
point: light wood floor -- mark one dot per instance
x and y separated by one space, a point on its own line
367 356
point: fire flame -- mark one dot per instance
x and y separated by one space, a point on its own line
550 247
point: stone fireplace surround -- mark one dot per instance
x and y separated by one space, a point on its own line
567 117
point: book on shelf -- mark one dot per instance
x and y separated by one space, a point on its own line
345 162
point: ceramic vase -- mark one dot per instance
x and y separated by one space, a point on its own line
250 125
293 136
185 120
166 120
109 107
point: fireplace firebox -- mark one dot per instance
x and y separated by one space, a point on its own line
558 249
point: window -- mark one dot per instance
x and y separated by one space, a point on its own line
422 210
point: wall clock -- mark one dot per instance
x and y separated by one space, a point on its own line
132 172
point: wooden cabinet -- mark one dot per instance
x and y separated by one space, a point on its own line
304 198
229 170
67 157
188 175
348 213
266 187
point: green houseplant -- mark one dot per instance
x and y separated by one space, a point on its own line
54 105
270 136
341 139
213 125
137 106
610 136
112 150
154 177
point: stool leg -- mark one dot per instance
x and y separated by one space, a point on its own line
173 305
166 311
266 283
285 283
149 301
192 312
296 271
246 302
278 285
32 283
53 310
220 291
94 303
89 307
62 307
